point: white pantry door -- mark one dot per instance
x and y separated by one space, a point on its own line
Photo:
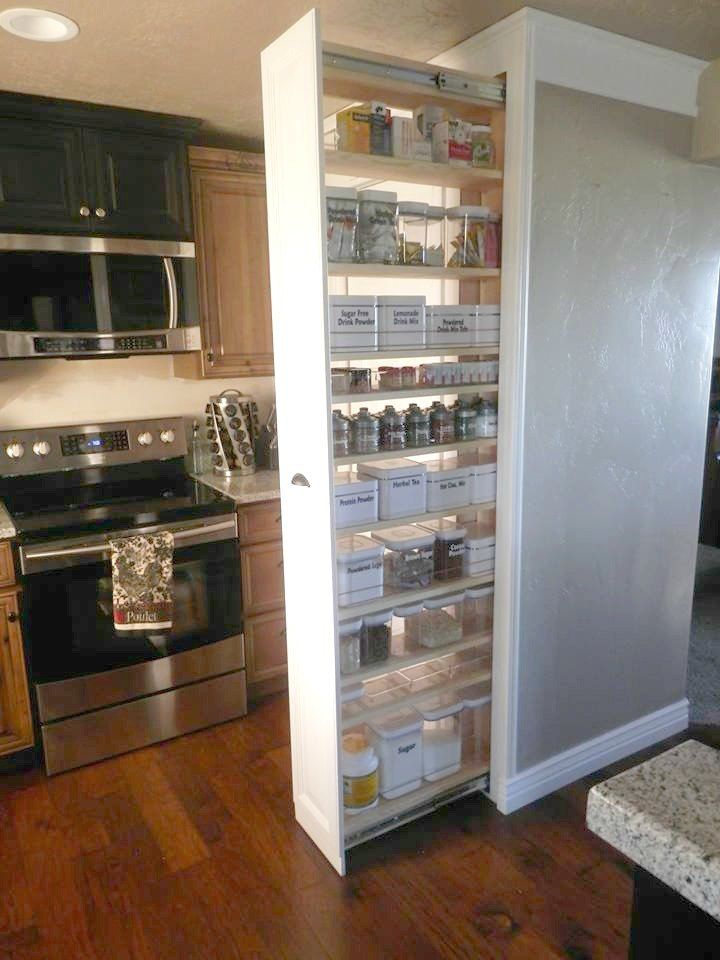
292 92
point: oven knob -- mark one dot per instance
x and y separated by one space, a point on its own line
145 439
41 448
15 449
167 436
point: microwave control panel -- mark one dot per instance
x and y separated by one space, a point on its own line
132 343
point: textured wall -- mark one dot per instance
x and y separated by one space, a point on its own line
625 250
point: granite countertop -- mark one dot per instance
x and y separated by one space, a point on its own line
262 485
7 530
665 815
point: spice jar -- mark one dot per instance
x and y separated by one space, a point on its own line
412 232
449 548
486 423
342 224
359 773
406 629
465 421
339 381
434 248
378 234
341 434
467 225
483 148
392 429
365 432
375 637
408 556
349 641
442 424
417 427
360 380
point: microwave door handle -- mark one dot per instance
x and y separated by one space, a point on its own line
171 280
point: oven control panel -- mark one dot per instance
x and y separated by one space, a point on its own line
44 450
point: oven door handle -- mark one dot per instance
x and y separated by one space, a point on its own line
102 550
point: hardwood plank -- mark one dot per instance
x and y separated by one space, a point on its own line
16 911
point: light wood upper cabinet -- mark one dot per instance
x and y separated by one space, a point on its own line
232 262
16 730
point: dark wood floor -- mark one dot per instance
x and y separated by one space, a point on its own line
189 850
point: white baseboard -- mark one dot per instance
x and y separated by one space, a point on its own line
571 765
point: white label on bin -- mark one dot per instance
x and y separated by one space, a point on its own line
364 566
352 317
402 483
456 484
456 549
355 499
402 317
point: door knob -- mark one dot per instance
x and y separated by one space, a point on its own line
84 210
100 212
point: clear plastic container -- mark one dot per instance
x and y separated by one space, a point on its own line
449 548
378 232
341 434
442 621
468 662
398 740
442 735
408 557
466 227
365 432
360 380
375 637
349 641
409 376
340 381
390 378
342 224
392 429
412 232
406 629
475 722
426 676
478 610
385 690
435 243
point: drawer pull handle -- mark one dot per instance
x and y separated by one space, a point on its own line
300 480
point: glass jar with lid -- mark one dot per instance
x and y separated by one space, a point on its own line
342 224
486 423
365 432
442 423
341 434
478 610
412 232
465 421
483 147
417 427
392 429
378 233
466 228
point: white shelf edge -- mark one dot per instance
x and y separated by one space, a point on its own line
427 653
402 272
481 443
414 392
376 167
409 353
404 597
486 507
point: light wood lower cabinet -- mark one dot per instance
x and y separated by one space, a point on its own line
261 567
7 571
16 731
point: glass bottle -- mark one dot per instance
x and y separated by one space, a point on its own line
392 429
442 424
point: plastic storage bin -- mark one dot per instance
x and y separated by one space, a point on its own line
468 662
467 226
479 549
385 690
449 548
352 322
398 742
349 643
360 569
483 479
448 485
342 224
478 610
449 326
475 723
378 234
375 637
442 736
426 676
434 245
406 629
401 487
442 620
408 557
401 321
356 499
412 232
486 326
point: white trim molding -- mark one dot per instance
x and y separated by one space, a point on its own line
564 768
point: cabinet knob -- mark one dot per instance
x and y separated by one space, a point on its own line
12 617
84 210
210 356
100 212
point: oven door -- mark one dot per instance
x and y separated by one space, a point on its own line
78 662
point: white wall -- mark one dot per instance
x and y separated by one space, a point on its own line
56 392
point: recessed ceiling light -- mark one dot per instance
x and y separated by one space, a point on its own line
32 24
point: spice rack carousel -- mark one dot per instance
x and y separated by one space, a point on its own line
325 702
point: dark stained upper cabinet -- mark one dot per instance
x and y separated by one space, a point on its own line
68 167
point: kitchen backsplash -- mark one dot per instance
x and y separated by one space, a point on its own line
55 392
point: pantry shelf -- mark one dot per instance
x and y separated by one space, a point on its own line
399 271
478 640
412 392
359 826
366 714
404 597
485 443
372 166
487 507
421 353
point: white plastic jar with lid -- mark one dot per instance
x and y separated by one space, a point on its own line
479 548
406 629
356 499
359 772
378 233
483 478
412 232
398 740
466 228
342 224
448 485
442 750
401 486
360 569
442 620
349 643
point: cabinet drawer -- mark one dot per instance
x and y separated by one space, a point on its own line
259 522
7 571
265 646
262 578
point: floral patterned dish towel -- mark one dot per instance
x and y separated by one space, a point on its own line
142 568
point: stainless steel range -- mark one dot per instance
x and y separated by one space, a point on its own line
97 691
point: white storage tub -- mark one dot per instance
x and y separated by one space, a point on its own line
482 479
448 485
401 487
356 499
485 328
401 321
360 569
449 325
398 742
479 548
352 323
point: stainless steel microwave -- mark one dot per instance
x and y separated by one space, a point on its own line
96 297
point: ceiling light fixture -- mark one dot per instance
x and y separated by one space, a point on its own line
43 25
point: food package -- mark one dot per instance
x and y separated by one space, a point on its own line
365 129
425 117
452 143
